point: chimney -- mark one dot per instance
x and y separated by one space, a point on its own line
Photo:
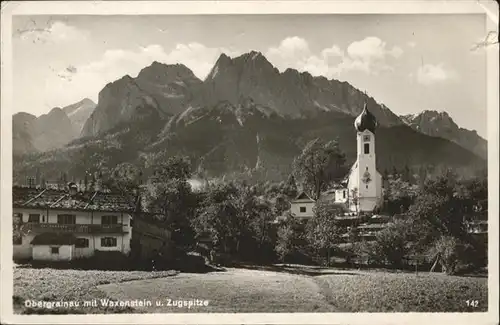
72 188
86 182
98 182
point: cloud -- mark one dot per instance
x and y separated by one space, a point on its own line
430 74
291 52
372 49
411 44
370 55
56 32
75 82
292 47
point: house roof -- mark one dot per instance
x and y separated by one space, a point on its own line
303 197
23 197
54 239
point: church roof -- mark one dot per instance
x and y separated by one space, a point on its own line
365 121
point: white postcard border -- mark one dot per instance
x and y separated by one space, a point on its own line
489 8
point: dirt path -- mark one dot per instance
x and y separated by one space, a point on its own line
236 290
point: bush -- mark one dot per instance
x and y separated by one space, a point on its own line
191 262
368 253
394 243
290 241
452 254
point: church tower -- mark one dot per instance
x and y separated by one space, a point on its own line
365 182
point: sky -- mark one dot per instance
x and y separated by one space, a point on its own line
410 63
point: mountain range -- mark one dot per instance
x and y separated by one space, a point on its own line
440 124
245 117
49 131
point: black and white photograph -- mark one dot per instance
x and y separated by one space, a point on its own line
211 158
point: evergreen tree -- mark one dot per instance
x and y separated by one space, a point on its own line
406 174
394 172
290 189
385 175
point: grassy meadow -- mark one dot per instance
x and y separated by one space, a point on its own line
278 289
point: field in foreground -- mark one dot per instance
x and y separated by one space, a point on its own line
244 290
53 285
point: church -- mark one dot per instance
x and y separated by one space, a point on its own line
364 180
362 190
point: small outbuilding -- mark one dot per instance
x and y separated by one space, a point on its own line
53 246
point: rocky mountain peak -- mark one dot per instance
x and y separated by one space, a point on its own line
165 73
254 60
23 116
441 124
55 110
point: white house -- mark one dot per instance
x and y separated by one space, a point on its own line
302 206
65 225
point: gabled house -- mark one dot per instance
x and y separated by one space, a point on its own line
302 206
56 225
51 220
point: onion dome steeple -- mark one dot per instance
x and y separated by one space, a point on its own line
365 121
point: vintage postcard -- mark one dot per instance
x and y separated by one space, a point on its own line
249 162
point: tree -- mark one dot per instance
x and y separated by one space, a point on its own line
176 167
290 187
396 241
219 222
422 176
449 252
125 179
262 232
406 175
169 197
236 221
289 238
319 165
323 231
442 206
281 204
395 173
217 217
399 195
385 175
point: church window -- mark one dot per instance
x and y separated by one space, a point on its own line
302 209
366 138
344 194
367 148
